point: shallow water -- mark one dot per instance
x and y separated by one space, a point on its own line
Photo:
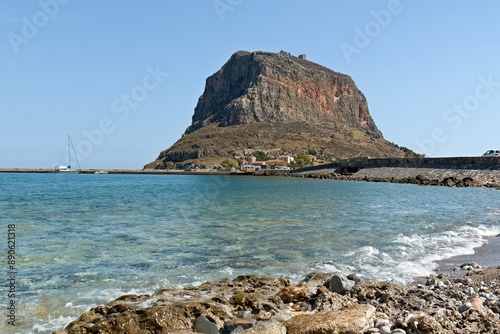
82 240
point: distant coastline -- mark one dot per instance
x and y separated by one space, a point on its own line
452 172
122 171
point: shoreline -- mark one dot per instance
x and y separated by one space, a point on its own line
487 255
427 176
121 171
451 176
465 300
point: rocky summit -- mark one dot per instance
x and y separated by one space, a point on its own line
276 102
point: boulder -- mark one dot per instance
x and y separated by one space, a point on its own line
203 325
355 319
294 294
234 323
266 328
339 283
330 301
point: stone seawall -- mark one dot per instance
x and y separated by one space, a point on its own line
454 172
486 163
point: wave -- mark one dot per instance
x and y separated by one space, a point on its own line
416 255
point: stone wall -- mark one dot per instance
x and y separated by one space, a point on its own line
350 166
452 172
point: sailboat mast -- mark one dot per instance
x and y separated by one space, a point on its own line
74 152
69 151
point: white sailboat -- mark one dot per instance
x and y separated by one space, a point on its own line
68 168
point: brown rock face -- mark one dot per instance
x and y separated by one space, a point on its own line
269 101
277 87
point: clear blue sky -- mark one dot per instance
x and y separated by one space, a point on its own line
128 74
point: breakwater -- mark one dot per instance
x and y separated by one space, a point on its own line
354 165
453 172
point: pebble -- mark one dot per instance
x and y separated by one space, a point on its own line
354 277
340 283
491 299
382 322
450 303
370 295
245 314
237 330
434 282
464 307
282 316
385 330
470 291
203 325
264 316
373 330
470 266
475 265
398 331
233 324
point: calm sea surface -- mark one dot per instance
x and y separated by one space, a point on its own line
82 240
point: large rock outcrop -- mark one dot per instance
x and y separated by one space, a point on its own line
275 101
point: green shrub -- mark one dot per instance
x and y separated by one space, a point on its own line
227 164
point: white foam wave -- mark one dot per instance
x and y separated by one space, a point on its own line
228 271
410 256
51 325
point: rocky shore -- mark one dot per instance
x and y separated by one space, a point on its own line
320 303
421 176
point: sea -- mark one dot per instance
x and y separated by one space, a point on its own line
83 240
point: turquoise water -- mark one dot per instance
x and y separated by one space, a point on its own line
82 240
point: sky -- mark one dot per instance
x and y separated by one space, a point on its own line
123 77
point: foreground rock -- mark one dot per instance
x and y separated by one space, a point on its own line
256 304
353 319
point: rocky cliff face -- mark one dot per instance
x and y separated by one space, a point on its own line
275 101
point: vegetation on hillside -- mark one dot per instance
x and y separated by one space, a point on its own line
229 164
409 153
